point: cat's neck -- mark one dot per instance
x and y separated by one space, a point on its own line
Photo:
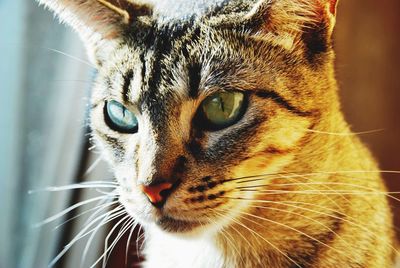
170 251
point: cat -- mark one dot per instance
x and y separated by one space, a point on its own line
222 122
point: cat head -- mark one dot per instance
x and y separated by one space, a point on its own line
192 100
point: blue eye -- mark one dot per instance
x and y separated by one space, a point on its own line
119 118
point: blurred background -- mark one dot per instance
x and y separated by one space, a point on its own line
44 87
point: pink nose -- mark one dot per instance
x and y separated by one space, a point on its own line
157 193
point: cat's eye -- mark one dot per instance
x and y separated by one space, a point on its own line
221 110
119 118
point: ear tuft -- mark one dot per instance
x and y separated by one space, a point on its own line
333 6
127 10
288 23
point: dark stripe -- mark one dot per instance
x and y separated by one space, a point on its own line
311 255
194 79
316 40
184 52
281 101
143 73
108 82
95 105
162 46
143 61
117 147
125 87
180 165
194 147
232 145
275 150
136 152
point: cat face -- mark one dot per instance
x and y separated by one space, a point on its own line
187 111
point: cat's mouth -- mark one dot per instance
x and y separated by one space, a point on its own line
172 225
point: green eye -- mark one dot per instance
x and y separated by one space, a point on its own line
119 118
221 110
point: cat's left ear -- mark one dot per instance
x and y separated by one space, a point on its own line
100 23
291 22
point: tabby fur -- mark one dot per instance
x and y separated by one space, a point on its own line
289 185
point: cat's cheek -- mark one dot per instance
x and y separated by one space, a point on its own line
133 200
136 205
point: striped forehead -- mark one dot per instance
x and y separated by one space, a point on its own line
165 70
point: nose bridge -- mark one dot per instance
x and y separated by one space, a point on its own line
168 153
161 157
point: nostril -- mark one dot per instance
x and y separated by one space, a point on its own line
157 193
165 193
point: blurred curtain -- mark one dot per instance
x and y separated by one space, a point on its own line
42 108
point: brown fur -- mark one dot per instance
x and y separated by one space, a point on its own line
288 185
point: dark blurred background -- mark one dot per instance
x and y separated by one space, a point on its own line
43 95
367 42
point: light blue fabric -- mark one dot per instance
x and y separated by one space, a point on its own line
42 110
11 94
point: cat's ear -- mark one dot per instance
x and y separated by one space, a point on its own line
292 21
100 23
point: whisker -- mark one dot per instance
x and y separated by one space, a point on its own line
125 227
244 238
342 216
293 229
137 240
125 221
331 199
82 233
298 174
98 207
321 192
113 193
89 242
345 133
91 217
143 238
314 183
339 191
110 218
92 147
65 211
94 165
128 242
255 233
71 57
82 185
228 237
251 246
305 217
262 176
106 240
314 191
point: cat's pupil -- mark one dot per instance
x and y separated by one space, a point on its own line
221 110
119 118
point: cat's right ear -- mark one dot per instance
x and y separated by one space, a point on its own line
100 23
293 22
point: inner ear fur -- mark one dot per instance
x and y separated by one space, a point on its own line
100 23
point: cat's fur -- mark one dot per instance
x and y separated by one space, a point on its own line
320 201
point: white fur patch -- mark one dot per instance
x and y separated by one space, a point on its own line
169 251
